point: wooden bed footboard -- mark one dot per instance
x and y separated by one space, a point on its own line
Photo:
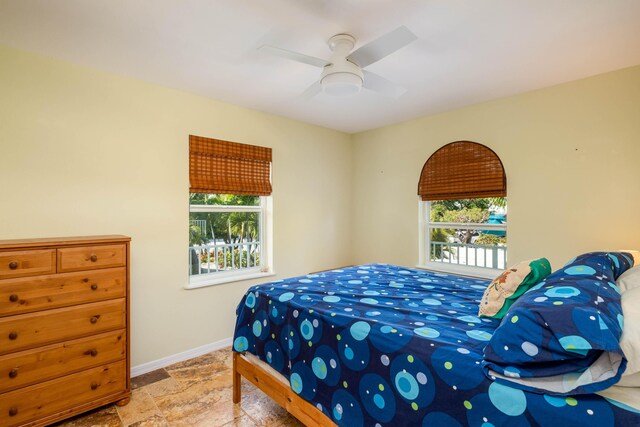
281 393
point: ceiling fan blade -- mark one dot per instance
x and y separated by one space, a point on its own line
311 91
381 85
294 56
382 46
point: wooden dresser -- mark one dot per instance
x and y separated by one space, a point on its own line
64 327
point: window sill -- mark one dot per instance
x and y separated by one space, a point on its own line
203 282
483 273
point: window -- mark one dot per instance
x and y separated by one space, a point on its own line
226 234
466 233
229 211
463 210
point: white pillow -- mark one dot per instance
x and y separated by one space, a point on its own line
630 340
630 279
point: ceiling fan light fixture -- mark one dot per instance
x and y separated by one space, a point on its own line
341 84
343 73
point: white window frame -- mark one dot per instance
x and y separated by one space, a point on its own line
424 245
265 269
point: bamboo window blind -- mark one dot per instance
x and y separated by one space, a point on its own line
224 167
462 170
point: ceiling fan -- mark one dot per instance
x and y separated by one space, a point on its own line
343 73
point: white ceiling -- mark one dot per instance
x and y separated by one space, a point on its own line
468 51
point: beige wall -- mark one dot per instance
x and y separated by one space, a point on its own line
571 155
85 152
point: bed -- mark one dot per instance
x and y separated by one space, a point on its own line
378 344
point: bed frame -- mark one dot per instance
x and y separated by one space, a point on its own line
280 392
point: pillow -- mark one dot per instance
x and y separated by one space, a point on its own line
507 288
634 254
563 335
630 341
630 279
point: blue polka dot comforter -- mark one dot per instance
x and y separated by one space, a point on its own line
381 345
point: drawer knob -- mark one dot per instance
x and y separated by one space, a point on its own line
13 411
93 352
13 298
13 265
94 386
94 319
93 258
94 286
13 373
13 335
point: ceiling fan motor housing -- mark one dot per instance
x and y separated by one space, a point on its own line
341 77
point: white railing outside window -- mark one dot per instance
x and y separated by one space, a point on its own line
456 251
218 257
483 256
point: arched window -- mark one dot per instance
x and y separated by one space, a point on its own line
463 210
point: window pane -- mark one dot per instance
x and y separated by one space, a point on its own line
222 241
478 248
223 199
464 246
468 210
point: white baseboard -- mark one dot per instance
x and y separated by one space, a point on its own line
179 357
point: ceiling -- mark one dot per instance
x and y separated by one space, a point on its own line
468 51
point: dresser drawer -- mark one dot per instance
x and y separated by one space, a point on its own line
28 294
90 257
29 403
30 330
45 363
27 263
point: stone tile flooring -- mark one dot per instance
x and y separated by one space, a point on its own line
196 392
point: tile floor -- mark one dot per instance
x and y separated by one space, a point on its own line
196 392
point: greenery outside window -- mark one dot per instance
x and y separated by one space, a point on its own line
467 236
228 237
